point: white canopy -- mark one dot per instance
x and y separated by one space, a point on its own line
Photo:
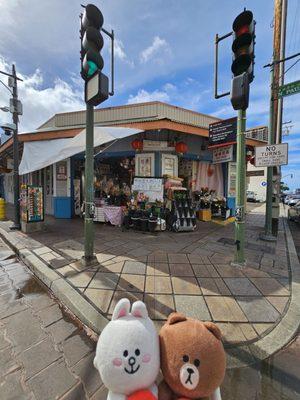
41 153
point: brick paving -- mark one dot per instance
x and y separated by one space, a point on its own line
190 273
44 354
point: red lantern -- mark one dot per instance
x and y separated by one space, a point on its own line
248 157
137 144
252 161
181 147
210 171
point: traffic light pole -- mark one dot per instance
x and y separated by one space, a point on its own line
89 256
240 190
16 225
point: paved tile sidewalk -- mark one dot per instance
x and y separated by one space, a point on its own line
44 354
190 273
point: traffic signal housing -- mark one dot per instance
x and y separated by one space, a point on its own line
243 45
91 41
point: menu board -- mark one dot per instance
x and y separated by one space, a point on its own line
151 187
32 203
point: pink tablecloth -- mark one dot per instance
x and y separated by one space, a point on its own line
113 214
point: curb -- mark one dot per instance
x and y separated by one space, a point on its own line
64 292
237 357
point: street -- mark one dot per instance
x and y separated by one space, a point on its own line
46 354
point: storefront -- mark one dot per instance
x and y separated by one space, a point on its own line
154 165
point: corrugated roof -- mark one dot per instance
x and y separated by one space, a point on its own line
133 113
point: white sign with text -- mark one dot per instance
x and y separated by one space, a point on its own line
222 154
271 155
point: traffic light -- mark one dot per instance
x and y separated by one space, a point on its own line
243 44
91 41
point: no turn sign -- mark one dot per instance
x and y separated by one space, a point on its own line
271 155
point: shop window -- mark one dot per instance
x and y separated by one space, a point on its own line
144 164
169 165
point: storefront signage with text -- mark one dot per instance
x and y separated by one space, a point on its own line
223 132
222 154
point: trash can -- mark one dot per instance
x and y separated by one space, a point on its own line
2 209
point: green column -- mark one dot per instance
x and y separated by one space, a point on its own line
240 189
89 187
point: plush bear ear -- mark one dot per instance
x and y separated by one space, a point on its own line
139 310
122 309
175 317
213 329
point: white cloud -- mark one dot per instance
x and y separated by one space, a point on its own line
143 96
40 102
120 53
156 51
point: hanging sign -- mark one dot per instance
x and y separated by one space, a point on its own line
155 145
271 155
223 132
222 154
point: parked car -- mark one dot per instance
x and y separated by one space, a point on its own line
294 200
294 212
287 199
252 197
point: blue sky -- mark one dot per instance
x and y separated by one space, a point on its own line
164 51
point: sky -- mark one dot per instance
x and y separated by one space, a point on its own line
164 51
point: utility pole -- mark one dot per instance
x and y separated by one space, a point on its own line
275 120
16 225
16 110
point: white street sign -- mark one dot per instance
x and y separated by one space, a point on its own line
271 155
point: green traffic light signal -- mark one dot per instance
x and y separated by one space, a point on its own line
91 41
92 68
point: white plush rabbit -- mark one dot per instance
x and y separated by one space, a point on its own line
127 354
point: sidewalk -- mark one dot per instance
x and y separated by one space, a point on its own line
190 273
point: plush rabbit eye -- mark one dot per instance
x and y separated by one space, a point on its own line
125 354
137 352
185 358
197 362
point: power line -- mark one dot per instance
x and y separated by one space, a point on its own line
5 86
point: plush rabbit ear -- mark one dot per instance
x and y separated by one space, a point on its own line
139 310
122 309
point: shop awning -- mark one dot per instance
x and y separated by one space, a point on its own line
42 153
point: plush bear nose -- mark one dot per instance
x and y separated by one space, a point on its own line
131 361
190 370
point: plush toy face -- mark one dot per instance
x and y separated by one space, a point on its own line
127 354
192 356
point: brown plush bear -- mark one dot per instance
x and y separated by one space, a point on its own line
193 360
